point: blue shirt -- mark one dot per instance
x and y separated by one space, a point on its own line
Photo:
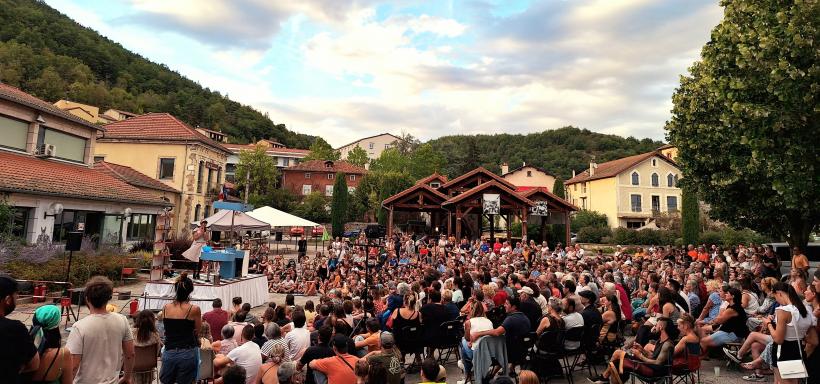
714 297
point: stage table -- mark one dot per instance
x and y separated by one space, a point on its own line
252 288
233 262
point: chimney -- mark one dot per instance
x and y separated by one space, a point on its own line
504 168
573 173
592 166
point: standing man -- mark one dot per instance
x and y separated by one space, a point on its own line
101 343
800 262
18 354
216 319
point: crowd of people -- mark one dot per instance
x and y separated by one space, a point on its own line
677 302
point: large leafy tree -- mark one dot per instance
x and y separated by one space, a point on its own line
321 150
357 157
256 172
339 205
690 217
313 207
558 188
745 118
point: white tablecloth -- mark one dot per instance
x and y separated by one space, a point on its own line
252 289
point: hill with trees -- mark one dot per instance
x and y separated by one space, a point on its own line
558 151
45 53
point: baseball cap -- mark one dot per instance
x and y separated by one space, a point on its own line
526 290
387 340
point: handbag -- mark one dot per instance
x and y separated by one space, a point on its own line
792 369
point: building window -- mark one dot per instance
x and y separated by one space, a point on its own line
435 184
98 159
166 168
352 177
13 133
286 162
636 179
529 173
583 203
634 224
656 204
635 202
141 227
328 190
65 223
18 221
671 203
196 212
67 147
584 188
307 175
575 187
670 180
656 180
331 176
654 162
210 178
351 189
387 146
207 211
372 145
199 176
306 189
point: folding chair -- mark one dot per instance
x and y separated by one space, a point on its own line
451 332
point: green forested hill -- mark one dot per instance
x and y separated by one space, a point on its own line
49 55
558 151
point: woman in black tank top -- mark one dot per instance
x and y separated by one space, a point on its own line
182 320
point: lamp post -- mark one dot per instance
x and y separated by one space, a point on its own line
126 213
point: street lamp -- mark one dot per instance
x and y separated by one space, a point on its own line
126 213
55 208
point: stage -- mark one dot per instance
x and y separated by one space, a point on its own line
252 288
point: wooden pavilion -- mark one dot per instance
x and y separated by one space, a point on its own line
457 204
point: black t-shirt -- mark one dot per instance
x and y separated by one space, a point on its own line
313 353
433 315
533 312
18 349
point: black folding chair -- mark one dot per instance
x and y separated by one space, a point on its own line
451 333
545 358
571 356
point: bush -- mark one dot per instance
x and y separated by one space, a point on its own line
179 243
586 218
83 266
593 234
144 245
625 236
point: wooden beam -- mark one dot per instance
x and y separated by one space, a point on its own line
429 207
459 218
390 223
524 226
566 223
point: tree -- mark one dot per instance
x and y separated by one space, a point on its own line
338 207
321 150
390 160
424 160
313 207
406 144
745 119
558 188
587 218
690 216
256 172
357 157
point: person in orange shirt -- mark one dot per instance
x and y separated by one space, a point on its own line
703 256
693 254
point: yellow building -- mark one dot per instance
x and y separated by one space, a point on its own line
163 147
373 145
528 177
629 191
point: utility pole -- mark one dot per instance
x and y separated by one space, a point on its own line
247 184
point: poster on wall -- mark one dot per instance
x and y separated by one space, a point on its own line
540 209
492 204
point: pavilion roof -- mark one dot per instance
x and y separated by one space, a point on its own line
488 185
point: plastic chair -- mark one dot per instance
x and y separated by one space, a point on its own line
451 333
688 372
128 273
145 360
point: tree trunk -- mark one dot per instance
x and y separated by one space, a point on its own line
799 231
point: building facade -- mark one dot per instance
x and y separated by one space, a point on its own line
46 174
319 176
282 156
373 145
629 191
170 151
528 177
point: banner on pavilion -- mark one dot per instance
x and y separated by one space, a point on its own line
491 203
541 208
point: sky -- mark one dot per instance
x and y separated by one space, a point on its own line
345 69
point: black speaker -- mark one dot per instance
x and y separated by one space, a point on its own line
73 241
374 231
278 236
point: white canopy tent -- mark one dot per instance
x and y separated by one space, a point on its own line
277 218
225 219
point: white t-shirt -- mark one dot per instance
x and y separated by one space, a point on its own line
248 356
479 324
571 321
98 338
298 341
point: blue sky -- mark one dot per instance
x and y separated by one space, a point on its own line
343 69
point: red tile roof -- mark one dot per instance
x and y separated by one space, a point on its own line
614 167
532 194
473 173
27 174
156 126
321 166
132 176
7 92
414 188
490 184
434 177
236 148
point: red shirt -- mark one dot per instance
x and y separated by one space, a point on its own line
217 318
496 247
500 297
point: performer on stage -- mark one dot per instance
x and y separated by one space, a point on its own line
200 240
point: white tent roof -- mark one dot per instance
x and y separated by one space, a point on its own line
221 221
277 218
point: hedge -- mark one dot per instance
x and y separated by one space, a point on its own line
593 234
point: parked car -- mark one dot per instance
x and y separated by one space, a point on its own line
297 231
317 231
351 234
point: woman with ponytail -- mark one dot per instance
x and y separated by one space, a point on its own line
793 321
182 321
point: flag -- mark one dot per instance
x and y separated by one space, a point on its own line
325 236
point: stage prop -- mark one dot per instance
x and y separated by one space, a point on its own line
252 288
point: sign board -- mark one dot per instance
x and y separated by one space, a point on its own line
541 208
241 207
491 203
